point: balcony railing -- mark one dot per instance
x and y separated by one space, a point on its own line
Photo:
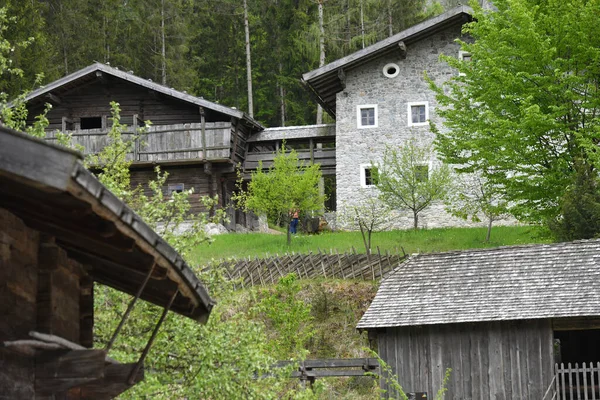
575 382
163 142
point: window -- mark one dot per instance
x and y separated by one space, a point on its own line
391 70
369 175
175 188
422 173
366 116
90 122
418 114
464 56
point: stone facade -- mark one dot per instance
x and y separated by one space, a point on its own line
367 85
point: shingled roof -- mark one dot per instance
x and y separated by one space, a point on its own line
506 283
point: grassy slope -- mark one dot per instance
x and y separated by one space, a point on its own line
337 305
420 241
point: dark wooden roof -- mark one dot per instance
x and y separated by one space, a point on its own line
96 71
506 283
49 188
325 82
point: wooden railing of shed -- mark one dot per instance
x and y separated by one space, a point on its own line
575 382
309 370
164 142
265 271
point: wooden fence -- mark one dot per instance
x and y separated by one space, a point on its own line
332 264
575 382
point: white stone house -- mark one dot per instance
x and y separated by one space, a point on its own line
379 96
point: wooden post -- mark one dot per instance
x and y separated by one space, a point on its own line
340 263
312 150
322 263
203 132
379 260
136 144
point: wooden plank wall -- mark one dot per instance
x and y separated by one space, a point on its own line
500 360
94 99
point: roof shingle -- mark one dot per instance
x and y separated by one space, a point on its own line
506 283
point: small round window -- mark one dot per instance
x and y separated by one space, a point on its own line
391 70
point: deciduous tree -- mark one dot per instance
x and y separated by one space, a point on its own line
287 185
407 182
526 108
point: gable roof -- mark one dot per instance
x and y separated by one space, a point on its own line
48 187
325 83
506 283
91 72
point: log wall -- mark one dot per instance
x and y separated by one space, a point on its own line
39 291
499 360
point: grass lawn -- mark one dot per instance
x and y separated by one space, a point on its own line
420 241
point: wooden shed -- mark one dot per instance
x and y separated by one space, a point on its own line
518 322
61 231
198 142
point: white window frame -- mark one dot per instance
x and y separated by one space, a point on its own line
461 57
409 107
363 175
174 187
361 107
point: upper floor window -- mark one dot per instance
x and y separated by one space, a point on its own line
464 56
90 123
174 188
418 113
366 116
369 175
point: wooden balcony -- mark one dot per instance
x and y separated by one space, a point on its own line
179 143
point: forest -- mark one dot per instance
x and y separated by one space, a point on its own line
199 46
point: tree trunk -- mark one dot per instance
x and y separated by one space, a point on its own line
248 61
362 24
321 55
281 96
415 220
163 51
390 22
489 230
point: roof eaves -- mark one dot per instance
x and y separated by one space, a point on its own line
384 44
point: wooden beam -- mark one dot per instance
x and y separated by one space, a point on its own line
203 132
60 370
402 49
112 384
101 77
342 78
53 99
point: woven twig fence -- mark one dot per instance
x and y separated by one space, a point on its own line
348 265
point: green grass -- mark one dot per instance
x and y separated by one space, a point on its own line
420 241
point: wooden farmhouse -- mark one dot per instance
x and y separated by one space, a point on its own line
198 142
518 322
61 231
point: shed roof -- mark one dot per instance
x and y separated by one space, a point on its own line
96 70
500 284
48 187
325 82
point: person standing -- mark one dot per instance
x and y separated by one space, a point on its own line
294 221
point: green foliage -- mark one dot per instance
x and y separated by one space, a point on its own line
580 208
287 185
526 108
288 319
403 182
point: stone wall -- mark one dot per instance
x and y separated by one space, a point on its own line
367 85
